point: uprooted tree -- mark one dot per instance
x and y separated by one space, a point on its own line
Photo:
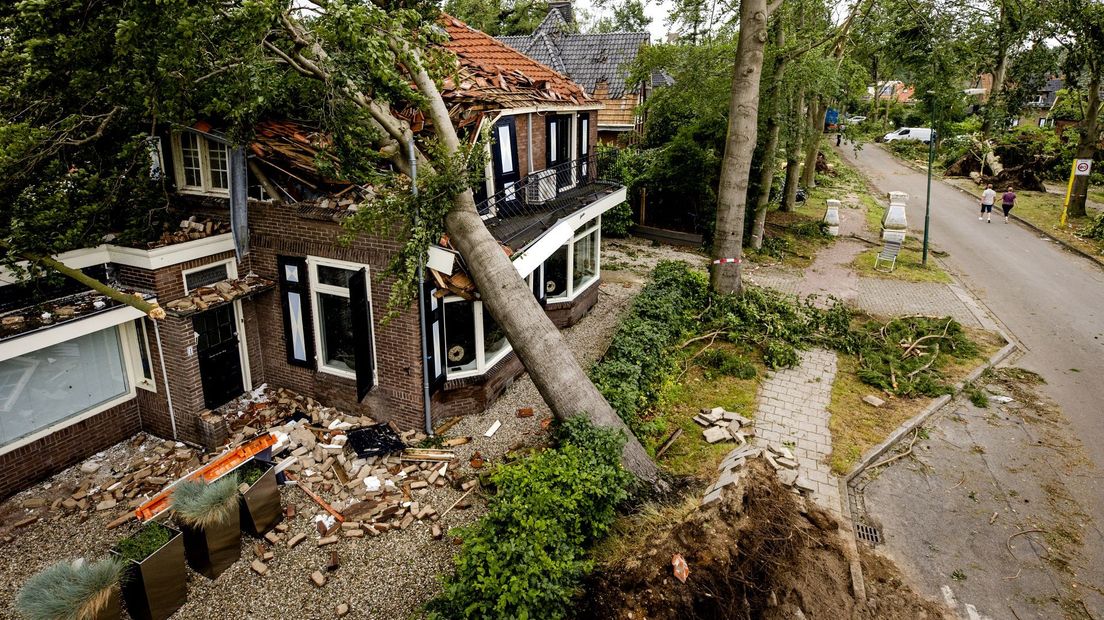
74 105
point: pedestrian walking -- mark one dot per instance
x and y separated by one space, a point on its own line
988 197
1008 200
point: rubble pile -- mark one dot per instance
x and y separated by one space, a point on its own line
53 312
218 293
779 457
721 425
190 230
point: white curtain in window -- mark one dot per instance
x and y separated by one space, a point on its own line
48 386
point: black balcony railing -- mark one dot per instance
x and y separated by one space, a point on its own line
521 211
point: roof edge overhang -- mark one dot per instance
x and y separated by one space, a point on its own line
537 251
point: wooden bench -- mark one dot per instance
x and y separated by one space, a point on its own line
888 254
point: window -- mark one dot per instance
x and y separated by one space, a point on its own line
575 266
202 164
342 319
59 382
144 378
473 340
205 276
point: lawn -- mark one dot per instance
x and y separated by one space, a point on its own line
857 427
1044 210
700 387
910 267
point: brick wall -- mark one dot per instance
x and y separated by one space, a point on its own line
474 394
568 313
397 396
28 464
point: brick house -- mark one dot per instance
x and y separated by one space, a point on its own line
259 289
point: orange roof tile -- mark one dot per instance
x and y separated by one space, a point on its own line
493 72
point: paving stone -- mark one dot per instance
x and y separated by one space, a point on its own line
715 435
711 497
787 476
259 567
873 401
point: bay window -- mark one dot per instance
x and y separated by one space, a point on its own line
60 382
474 342
574 266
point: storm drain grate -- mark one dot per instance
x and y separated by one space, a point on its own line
869 533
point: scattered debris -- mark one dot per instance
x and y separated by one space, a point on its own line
679 567
493 429
873 401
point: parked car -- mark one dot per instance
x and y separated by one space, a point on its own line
918 134
854 120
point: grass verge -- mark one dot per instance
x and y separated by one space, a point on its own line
856 426
910 267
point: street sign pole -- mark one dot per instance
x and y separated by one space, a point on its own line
1080 168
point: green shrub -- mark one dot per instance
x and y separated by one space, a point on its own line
527 556
1095 228
252 471
68 590
775 247
815 229
780 354
145 541
617 221
203 505
639 359
728 364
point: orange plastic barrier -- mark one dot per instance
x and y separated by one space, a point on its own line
209 472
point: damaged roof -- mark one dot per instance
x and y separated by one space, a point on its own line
493 73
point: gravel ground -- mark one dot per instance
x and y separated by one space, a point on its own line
387 577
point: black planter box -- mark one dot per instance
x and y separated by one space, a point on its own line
261 505
212 550
157 586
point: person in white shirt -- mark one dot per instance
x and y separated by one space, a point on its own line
988 197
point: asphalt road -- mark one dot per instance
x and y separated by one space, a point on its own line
1050 300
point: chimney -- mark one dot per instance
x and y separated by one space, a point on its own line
564 7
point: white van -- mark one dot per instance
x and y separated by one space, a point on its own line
919 134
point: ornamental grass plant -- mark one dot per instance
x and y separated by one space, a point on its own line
69 590
202 505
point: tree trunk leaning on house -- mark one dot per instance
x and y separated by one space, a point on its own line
743 113
1089 136
774 128
539 345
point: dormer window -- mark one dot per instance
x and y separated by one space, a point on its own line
202 164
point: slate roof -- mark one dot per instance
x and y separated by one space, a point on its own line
588 59
497 75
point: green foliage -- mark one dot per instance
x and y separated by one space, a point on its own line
68 590
814 229
904 356
1095 229
252 471
203 505
776 247
141 544
617 221
639 357
499 17
527 556
727 363
977 396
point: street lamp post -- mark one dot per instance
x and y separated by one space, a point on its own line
931 158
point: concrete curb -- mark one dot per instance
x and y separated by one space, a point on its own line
1019 220
916 421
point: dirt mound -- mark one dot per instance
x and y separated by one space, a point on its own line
760 552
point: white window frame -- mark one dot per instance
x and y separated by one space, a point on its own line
128 348
313 263
138 345
206 188
572 291
482 362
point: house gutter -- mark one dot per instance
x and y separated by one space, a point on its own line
421 301
165 374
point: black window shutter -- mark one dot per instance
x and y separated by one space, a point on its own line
362 332
298 285
435 337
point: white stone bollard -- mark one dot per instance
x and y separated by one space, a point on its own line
832 216
895 222
900 197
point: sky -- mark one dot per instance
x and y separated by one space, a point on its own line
655 9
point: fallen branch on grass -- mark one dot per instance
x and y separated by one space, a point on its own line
1008 543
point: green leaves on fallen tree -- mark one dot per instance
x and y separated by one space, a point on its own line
904 356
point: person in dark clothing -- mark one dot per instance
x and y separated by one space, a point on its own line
1008 200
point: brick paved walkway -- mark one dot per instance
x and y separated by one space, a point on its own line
793 410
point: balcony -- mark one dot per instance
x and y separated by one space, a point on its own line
522 212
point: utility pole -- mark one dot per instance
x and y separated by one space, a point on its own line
931 159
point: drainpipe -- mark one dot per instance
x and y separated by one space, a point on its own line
165 374
529 139
421 299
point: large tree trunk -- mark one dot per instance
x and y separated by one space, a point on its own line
996 93
1086 144
817 110
539 345
743 112
793 157
774 127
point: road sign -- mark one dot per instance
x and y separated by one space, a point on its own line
1082 167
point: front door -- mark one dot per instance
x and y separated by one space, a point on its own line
220 366
504 161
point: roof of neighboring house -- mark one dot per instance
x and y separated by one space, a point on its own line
589 59
497 75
